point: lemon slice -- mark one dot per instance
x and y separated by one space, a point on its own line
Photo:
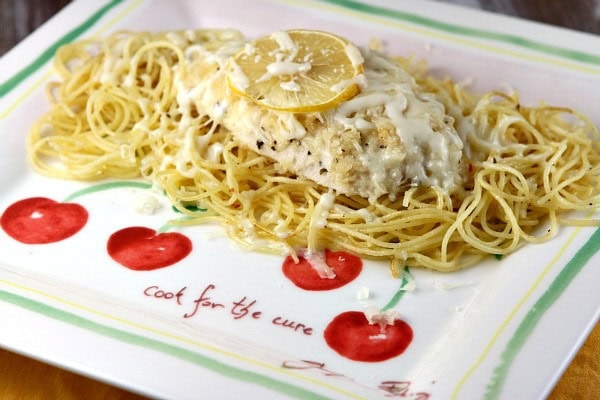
297 70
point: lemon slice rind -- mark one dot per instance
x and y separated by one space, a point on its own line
297 71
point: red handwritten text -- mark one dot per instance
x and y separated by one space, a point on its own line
158 293
391 388
244 307
402 389
295 326
204 301
240 309
307 364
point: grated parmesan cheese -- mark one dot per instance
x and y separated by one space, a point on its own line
146 204
363 293
376 316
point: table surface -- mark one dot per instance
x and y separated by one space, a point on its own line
20 17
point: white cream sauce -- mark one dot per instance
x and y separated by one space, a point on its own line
428 157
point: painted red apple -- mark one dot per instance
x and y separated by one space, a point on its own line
351 335
346 267
39 220
143 249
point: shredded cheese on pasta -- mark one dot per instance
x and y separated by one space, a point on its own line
122 110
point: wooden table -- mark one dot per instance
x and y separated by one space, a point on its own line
19 17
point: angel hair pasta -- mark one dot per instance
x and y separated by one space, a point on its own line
173 108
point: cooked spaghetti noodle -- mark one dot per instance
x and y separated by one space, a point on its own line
120 112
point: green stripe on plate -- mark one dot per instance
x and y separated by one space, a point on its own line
531 319
156 345
570 54
47 55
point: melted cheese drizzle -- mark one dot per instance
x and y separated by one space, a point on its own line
431 156
386 85
431 148
314 255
